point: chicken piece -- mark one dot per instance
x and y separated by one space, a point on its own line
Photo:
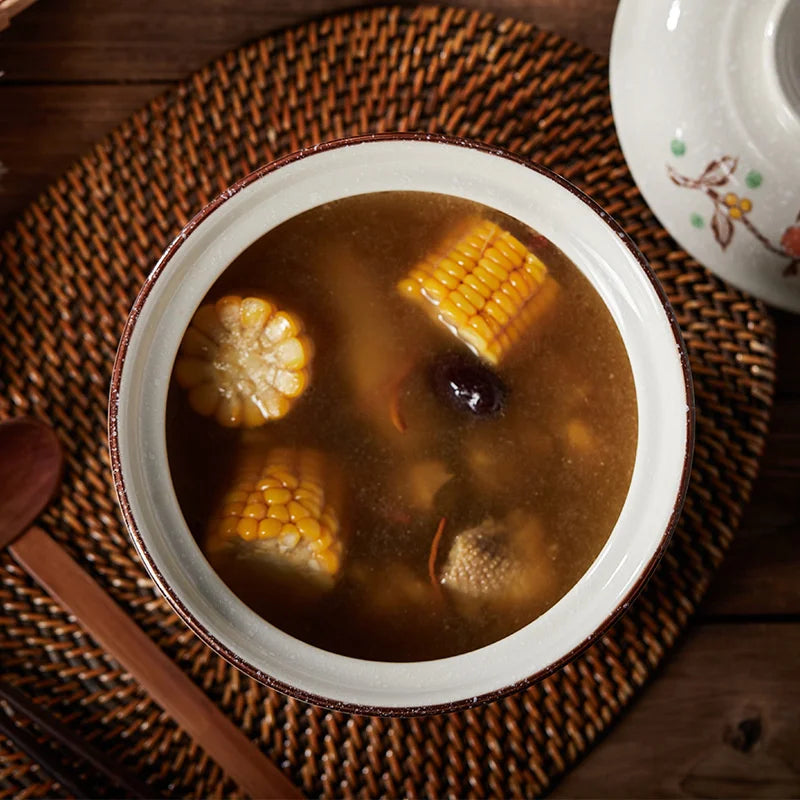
484 285
480 564
244 361
498 564
286 507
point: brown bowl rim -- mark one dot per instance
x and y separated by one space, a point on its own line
152 568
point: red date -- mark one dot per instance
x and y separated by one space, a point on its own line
468 385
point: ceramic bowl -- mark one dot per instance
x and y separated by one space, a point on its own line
706 100
265 199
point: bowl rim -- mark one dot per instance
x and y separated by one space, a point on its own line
206 636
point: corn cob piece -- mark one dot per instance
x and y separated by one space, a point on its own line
284 506
243 361
487 288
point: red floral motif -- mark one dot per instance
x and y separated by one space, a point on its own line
790 241
730 208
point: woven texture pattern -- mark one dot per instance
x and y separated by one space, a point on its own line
74 262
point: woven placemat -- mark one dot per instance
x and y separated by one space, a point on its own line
74 262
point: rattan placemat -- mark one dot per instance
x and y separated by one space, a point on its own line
74 262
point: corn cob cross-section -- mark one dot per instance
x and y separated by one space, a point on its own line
285 506
244 361
487 288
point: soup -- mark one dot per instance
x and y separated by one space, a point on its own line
401 426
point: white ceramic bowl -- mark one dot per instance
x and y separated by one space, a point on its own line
212 240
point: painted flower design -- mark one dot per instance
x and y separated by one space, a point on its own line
737 206
731 208
790 241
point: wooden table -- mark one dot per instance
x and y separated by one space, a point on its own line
723 717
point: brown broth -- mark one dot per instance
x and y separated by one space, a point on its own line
337 266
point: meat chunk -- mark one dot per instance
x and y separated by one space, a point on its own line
499 563
479 563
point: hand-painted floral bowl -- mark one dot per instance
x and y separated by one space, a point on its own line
706 100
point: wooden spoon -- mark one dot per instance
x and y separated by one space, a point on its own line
30 472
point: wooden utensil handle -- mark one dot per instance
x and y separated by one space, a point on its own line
117 633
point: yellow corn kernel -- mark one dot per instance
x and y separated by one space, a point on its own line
494 269
481 327
408 286
244 362
433 290
269 528
255 312
285 506
487 278
327 521
255 510
461 303
472 296
446 279
521 280
328 560
498 257
279 512
474 340
282 327
206 320
277 496
496 311
449 313
286 478
478 286
296 510
504 301
452 268
310 528
232 509
252 415
305 493
247 528
485 286
203 398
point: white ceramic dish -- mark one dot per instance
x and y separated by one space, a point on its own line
287 188
706 100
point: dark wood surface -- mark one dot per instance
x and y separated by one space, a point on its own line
723 717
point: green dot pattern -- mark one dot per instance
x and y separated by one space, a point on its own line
753 179
696 220
678 147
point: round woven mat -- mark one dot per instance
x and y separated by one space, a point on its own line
74 262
